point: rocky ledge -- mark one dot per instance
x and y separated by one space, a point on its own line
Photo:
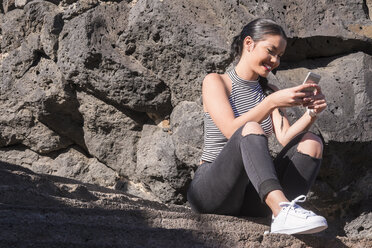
49 211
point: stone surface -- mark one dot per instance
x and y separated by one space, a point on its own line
109 135
20 3
69 163
360 227
368 8
41 94
19 114
158 166
187 132
51 211
73 8
91 61
8 5
156 36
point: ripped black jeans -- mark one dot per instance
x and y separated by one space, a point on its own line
244 173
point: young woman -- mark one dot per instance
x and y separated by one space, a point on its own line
237 175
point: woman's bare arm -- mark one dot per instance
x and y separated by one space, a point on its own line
284 131
215 100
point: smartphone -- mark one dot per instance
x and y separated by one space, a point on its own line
311 78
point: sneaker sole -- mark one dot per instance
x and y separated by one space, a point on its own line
304 230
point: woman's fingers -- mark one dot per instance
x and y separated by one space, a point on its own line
304 94
315 103
307 95
320 104
318 89
301 101
314 98
320 108
304 90
306 87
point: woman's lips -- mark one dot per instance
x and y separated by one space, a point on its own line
267 67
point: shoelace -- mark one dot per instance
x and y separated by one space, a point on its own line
289 205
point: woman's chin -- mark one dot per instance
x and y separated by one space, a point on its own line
264 74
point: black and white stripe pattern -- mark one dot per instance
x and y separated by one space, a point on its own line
244 96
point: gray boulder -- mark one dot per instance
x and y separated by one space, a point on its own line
90 59
158 166
22 100
109 135
180 41
7 5
39 18
368 8
360 227
69 163
187 132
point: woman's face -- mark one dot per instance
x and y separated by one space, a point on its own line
265 54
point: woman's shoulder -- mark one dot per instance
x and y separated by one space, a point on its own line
216 85
213 77
216 80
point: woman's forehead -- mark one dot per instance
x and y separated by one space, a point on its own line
275 41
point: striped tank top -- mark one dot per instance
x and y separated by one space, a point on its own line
244 96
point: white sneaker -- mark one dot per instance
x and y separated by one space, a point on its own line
294 219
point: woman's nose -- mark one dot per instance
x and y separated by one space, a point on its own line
275 59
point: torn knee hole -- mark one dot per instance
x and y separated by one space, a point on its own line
254 134
308 155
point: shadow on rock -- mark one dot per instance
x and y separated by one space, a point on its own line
49 211
316 241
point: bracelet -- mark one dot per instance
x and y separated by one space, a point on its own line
311 112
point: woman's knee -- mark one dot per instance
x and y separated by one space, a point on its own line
252 128
312 145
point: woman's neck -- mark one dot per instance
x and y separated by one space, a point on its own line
244 71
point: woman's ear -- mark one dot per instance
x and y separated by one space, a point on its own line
248 43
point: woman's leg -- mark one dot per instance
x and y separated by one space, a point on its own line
296 180
298 164
219 187
260 168
222 181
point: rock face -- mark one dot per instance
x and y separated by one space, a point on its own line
108 92
360 227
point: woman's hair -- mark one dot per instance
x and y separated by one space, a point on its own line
257 30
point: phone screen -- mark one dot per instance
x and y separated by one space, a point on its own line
311 78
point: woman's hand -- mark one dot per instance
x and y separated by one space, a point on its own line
294 96
317 102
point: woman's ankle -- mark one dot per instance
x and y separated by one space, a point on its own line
273 199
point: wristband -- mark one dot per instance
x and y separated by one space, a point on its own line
311 112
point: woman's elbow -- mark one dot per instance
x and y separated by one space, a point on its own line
228 135
229 132
282 140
